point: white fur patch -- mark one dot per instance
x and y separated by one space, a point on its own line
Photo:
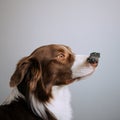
80 67
37 107
60 104
13 96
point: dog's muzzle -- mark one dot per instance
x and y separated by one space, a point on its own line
85 65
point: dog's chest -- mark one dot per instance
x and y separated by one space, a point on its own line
60 104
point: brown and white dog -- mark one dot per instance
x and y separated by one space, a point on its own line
40 83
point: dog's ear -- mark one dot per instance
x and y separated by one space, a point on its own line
29 70
21 70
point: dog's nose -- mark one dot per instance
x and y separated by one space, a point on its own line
93 58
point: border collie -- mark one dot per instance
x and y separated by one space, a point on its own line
40 83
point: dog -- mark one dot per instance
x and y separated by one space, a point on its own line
40 83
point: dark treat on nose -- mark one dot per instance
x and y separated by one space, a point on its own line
93 58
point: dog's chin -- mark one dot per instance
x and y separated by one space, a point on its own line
83 73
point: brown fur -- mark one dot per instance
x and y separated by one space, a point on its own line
36 74
51 62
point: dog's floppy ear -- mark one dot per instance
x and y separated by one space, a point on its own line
28 69
20 72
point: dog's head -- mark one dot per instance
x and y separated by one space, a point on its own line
51 65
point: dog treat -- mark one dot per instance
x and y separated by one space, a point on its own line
93 58
95 54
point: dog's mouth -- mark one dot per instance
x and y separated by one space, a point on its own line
85 65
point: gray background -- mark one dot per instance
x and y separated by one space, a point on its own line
85 26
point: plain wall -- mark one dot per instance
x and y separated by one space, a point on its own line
84 25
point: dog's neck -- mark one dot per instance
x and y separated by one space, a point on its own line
58 106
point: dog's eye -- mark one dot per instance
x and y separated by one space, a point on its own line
61 56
